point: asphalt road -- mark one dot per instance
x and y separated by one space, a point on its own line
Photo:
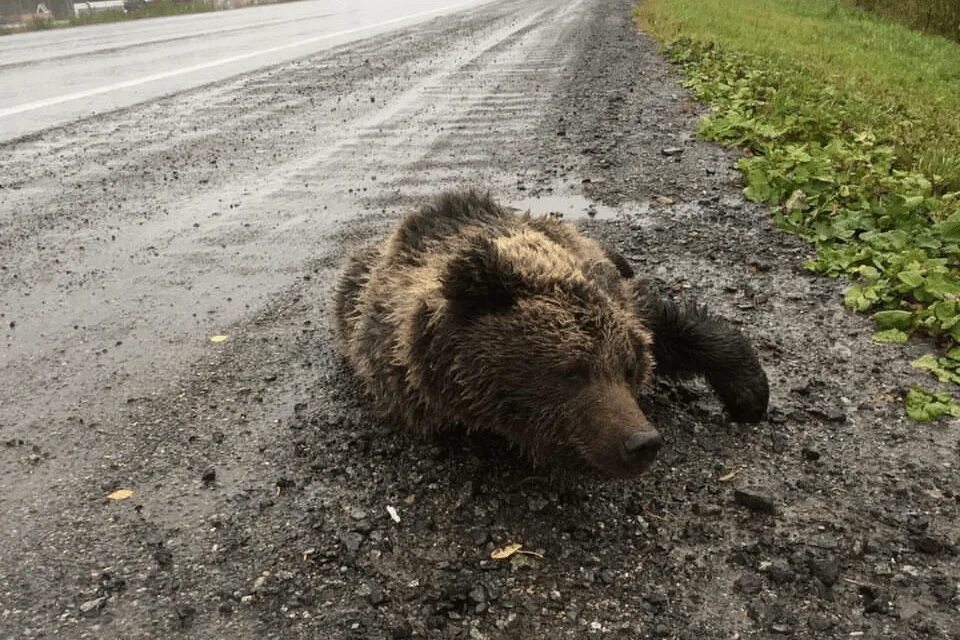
260 480
58 76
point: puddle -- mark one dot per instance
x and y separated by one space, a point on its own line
567 207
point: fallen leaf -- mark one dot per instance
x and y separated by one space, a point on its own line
218 338
730 476
120 494
504 552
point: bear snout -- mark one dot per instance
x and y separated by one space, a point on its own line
640 448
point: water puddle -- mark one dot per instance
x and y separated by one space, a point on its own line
566 207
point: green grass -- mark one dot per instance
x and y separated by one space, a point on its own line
935 16
157 9
849 126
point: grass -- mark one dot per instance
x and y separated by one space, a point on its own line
849 127
935 16
157 9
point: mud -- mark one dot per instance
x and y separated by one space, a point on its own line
261 480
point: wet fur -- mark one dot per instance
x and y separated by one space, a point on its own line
470 314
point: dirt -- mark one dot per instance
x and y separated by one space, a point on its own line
264 490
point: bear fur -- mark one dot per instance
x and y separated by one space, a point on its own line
469 314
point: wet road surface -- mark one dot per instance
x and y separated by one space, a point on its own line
260 480
57 76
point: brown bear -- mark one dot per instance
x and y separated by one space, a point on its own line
470 314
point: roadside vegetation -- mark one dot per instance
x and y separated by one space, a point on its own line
941 17
849 126
156 9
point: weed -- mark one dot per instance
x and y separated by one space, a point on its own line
869 182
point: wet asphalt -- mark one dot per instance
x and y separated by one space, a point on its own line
260 480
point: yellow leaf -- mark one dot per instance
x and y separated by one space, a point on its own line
504 552
730 476
218 338
120 494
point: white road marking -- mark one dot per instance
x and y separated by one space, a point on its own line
80 95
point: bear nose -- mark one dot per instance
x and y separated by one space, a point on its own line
641 447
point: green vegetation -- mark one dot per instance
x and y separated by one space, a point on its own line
935 16
156 9
849 126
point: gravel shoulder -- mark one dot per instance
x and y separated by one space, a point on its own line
261 480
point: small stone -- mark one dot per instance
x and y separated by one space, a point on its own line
825 570
748 584
478 594
363 526
480 537
755 500
351 541
810 454
779 571
672 151
707 509
929 544
820 622
835 415
259 583
908 608
209 476
537 504
841 351
401 632
880 604
376 596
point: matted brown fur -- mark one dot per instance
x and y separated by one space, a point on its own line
468 315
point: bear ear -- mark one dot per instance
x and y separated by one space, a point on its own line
623 267
479 281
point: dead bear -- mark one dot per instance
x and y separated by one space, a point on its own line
469 314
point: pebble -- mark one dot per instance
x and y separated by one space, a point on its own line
779 571
749 584
672 151
376 596
478 594
707 509
824 569
755 500
351 541
819 622
929 545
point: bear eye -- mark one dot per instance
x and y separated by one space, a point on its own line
578 374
